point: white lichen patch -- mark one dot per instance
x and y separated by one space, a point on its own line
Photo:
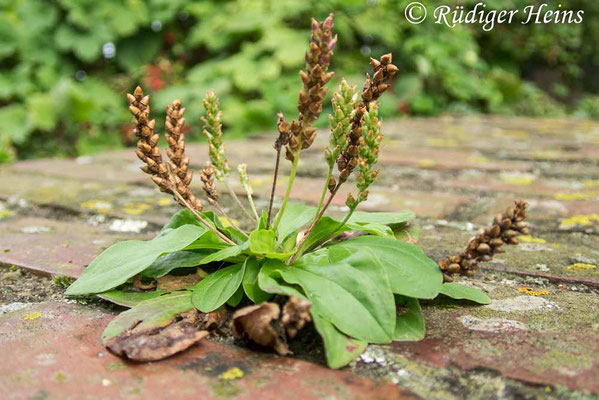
18 202
542 267
534 247
400 376
522 303
12 307
45 359
508 282
96 220
128 225
373 355
35 229
142 192
550 205
491 324
97 205
463 226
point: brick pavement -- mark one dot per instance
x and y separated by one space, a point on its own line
539 337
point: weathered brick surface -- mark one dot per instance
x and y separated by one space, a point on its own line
455 173
52 246
55 353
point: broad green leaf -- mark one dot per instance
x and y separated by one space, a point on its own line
129 299
186 217
208 240
217 288
295 216
171 261
183 217
318 257
346 296
288 244
384 218
384 307
271 281
379 223
227 254
411 273
264 242
371 228
126 259
250 282
367 282
408 232
458 291
236 298
410 321
235 235
339 349
154 313
325 229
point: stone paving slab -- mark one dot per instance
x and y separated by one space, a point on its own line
546 339
55 353
53 247
88 197
455 173
487 154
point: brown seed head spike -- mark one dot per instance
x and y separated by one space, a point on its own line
207 176
503 230
284 132
383 74
175 138
314 80
149 153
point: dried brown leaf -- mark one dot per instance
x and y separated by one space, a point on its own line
215 319
158 343
261 324
172 282
137 282
160 327
296 313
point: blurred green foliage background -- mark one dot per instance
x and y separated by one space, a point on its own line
65 65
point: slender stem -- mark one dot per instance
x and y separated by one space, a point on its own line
231 222
324 189
274 186
296 158
336 230
200 218
239 203
311 228
253 207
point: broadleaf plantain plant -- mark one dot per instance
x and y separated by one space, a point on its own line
353 278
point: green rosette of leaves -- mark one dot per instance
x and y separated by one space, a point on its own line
355 286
